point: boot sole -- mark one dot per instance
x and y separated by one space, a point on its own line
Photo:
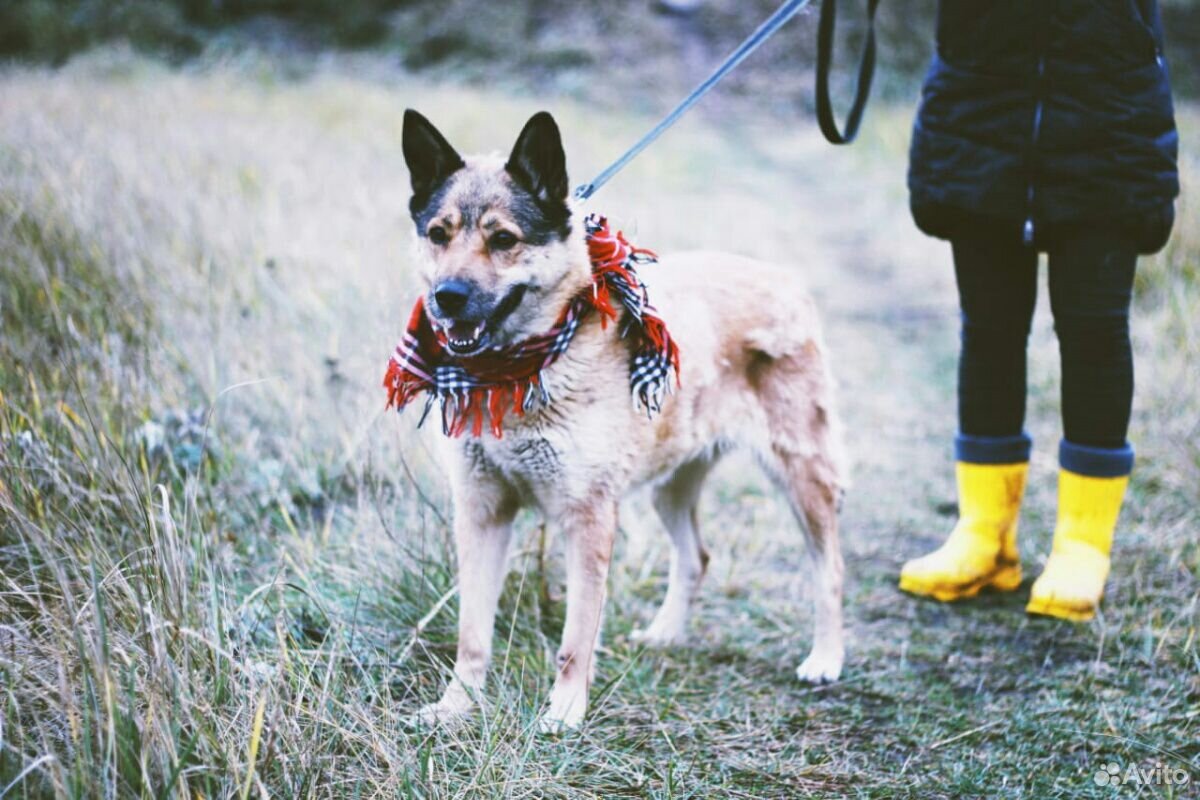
1049 608
1005 578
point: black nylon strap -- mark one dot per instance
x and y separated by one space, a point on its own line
785 12
866 71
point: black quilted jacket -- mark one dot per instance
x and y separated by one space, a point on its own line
1036 113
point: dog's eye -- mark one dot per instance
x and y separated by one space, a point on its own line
437 234
502 240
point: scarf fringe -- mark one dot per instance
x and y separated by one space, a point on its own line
467 397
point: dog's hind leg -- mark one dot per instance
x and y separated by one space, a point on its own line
803 458
814 501
675 500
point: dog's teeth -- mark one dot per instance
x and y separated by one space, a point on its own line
478 330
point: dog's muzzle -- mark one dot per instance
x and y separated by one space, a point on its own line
467 315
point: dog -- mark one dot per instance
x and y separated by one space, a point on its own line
501 254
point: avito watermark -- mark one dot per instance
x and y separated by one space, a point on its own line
1158 774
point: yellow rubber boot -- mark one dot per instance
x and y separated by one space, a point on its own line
1072 583
982 549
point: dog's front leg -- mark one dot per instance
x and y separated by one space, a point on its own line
482 530
589 533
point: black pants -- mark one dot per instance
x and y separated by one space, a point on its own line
1091 283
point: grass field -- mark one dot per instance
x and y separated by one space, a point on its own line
226 572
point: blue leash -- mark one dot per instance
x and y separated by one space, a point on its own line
764 31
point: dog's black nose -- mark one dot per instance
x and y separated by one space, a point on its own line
452 296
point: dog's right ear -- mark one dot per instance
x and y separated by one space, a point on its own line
429 156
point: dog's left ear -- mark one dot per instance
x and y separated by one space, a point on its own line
538 161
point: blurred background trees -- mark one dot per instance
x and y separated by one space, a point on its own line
548 44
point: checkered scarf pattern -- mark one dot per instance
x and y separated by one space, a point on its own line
512 378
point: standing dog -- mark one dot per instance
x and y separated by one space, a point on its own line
501 257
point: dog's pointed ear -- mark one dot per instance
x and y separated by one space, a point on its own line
537 161
429 156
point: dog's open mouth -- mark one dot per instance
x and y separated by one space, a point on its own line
463 342
470 337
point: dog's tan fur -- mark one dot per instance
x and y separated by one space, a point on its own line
754 375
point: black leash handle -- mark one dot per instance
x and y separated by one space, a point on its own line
786 11
866 71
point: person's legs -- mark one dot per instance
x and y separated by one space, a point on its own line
997 292
997 287
1091 286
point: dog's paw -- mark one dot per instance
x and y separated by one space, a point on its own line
820 668
658 636
549 725
568 705
444 714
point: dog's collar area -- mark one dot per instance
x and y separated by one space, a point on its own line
492 382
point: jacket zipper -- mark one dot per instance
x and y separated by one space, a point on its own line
1030 191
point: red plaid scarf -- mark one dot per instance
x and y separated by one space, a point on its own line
511 378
